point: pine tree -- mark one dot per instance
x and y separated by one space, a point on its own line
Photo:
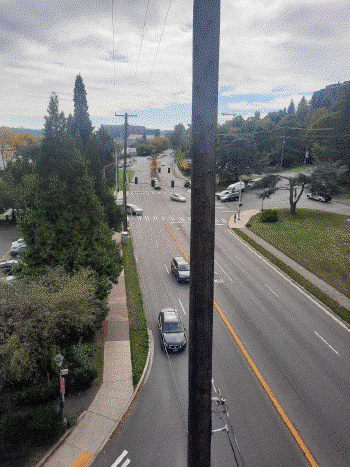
56 155
302 109
291 108
82 124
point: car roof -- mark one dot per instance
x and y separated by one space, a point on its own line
180 259
170 314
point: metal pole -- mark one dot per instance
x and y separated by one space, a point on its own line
284 141
125 220
206 37
239 200
117 170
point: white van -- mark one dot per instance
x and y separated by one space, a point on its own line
239 186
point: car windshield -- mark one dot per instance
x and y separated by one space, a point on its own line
184 267
173 326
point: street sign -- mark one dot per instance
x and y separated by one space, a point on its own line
63 389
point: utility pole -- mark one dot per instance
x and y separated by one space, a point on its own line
125 220
284 142
206 38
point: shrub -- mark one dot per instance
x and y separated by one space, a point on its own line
269 216
44 423
12 430
37 394
80 378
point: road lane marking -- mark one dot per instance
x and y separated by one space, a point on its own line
223 270
291 281
271 395
155 218
183 309
147 218
127 462
120 458
329 345
271 290
238 259
167 270
266 387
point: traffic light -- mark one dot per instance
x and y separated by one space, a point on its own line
172 184
136 180
152 182
168 170
159 169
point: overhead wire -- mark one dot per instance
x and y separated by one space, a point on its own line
143 32
160 40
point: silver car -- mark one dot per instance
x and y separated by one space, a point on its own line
18 247
177 197
133 210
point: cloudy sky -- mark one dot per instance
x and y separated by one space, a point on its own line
271 51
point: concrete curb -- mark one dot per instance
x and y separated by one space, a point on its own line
287 276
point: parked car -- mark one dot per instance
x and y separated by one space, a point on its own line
230 197
133 210
7 265
252 183
324 198
171 330
177 197
180 267
187 184
222 193
18 247
238 186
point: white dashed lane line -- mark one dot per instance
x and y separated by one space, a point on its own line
317 334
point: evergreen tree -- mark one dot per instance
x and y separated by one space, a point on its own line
82 124
302 109
70 125
56 155
291 108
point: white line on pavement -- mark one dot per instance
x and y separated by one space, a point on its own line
223 270
127 462
167 270
326 342
271 290
183 309
238 258
120 458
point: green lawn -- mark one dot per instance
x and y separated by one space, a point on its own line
317 240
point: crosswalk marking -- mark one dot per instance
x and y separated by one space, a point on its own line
173 220
120 458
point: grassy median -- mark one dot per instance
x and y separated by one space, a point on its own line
137 320
318 241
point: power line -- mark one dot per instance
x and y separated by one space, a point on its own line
160 40
143 31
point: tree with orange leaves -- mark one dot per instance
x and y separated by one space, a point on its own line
160 143
11 143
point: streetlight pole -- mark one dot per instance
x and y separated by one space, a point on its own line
125 220
59 360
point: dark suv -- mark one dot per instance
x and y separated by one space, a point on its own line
180 267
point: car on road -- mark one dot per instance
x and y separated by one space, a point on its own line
157 185
230 197
7 266
252 183
133 210
324 198
180 267
187 184
18 247
171 330
238 186
177 197
222 193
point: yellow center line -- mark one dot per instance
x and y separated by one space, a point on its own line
266 387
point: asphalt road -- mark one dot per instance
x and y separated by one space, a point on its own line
301 352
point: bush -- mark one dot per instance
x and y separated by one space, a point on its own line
269 216
44 423
37 425
80 379
37 394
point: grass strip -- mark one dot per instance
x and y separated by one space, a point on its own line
339 310
137 320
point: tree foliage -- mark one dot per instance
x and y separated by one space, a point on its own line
82 124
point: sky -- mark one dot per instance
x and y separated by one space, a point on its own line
271 51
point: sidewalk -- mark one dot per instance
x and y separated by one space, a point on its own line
82 443
342 299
